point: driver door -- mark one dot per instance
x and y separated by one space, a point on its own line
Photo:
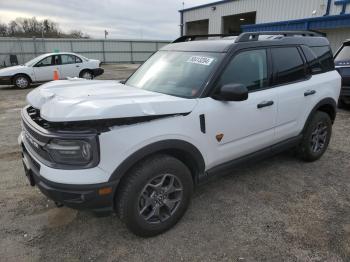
237 129
44 69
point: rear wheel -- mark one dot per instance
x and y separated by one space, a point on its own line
86 74
21 81
155 195
316 137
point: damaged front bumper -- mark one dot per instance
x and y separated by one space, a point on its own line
85 188
95 197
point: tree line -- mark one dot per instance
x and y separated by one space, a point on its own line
31 27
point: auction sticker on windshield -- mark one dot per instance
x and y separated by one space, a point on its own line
201 60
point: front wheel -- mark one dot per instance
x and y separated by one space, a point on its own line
21 81
155 195
316 137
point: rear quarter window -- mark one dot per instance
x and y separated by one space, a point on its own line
325 57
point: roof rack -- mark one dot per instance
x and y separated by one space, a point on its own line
187 38
254 36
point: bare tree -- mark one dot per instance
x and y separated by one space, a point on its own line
31 27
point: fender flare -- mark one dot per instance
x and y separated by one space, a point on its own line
324 102
183 150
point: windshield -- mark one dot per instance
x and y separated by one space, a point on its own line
343 55
35 60
175 73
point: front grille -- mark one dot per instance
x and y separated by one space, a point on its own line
34 114
33 140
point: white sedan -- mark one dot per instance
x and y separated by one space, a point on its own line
42 68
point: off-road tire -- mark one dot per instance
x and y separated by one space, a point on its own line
128 196
305 149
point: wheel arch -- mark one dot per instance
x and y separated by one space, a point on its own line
182 150
24 74
85 69
327 105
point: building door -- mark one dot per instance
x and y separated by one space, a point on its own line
232 24
200 27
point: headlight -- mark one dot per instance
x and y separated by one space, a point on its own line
70 152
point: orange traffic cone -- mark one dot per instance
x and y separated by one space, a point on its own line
55 75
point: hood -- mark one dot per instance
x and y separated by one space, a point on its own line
11 69
79 100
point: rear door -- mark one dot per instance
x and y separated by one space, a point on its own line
296 90
44 69
238 128
70 66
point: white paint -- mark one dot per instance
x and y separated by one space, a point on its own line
45 73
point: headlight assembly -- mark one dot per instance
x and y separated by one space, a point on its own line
70 152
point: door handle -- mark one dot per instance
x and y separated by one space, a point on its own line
265 104
309 92
77 66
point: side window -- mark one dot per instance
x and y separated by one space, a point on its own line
314 66
325 57
248 68
67 59
45 62
288 65
78 60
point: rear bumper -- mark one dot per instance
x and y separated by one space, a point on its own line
98 71
81 197
5 80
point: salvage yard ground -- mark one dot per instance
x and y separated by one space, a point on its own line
280 209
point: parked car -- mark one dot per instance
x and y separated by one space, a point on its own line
342 64
192 111
41 69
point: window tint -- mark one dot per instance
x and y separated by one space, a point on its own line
288 65
248 68
312 60
67 59
343 55
325 56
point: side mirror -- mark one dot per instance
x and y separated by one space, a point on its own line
232 92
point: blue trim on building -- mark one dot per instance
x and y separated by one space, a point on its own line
313 23
206 5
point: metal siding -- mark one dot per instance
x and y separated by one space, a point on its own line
110 50
336 37
267 11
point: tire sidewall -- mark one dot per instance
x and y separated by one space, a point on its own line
86 71
15 80
306 148
165 165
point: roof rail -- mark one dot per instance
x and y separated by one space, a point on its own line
187 38
254 36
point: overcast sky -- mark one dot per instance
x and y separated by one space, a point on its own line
147 19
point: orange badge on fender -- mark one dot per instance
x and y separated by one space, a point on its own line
219 137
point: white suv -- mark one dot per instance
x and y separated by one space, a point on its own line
194 110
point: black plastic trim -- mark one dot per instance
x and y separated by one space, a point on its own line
169 146
6 80
256 156
202 123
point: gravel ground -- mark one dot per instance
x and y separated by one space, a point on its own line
280 209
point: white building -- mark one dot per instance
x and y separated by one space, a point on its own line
331 17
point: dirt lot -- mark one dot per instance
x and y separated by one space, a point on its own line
280 209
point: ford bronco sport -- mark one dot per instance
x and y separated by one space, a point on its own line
193 110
